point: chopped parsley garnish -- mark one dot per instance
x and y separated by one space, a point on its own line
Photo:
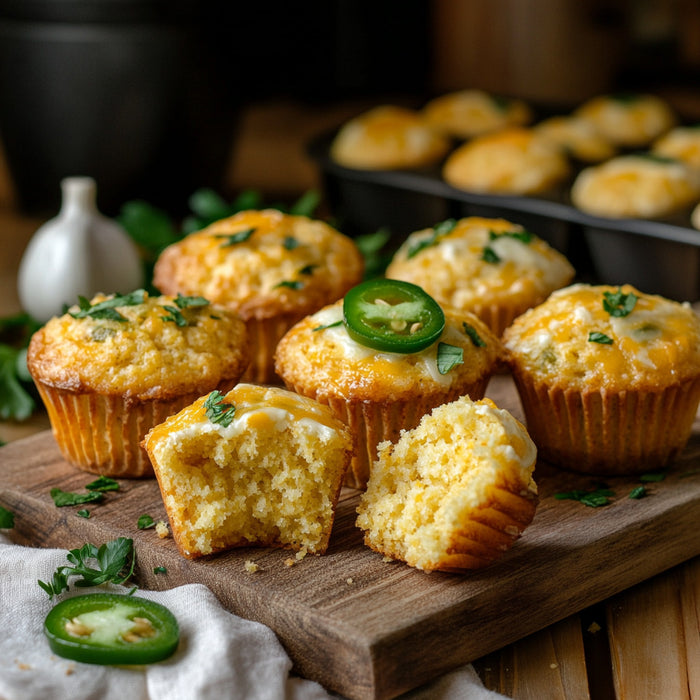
83 513
115 563
103 483
232 239
448 356
107 309
439 230
638 492
290 284
489 255
308 269
652 477
290 243
183 302
145 522
66 498
7 519
335 324
476 339
217 410
522 236
175 316
594 499
618 304
601 338
160 570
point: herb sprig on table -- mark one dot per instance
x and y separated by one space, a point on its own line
17 396
114 562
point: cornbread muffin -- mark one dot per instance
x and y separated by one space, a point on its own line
110 369
628 120
388 138
491 267
270 268
681 143
695 217
379 393
578 137
455 492
468 113
515 161
609 377
257 466
635 186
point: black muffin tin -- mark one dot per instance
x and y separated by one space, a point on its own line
656 256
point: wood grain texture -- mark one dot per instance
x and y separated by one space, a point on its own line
366 628
657 626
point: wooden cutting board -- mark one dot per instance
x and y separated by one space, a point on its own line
367 628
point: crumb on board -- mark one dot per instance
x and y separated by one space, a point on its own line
387 559
162 529
553 666
349 581
289 561
301 553
594 627
22 666
251 567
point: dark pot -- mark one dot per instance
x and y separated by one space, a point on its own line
124 91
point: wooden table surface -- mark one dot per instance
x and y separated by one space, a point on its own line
642 643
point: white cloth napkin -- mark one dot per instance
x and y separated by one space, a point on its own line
220 657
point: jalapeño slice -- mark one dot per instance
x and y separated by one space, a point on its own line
392 316
111 629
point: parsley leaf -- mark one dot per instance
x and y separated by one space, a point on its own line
107 309
16 402
522 236
448 356
489 255
594 499
232 239
174 315
618 304
184 302
145 522
601 338
103 483
638 492
439 231
66 498
83 513
290 284
115 563
476 339
7 519
160 570
217 410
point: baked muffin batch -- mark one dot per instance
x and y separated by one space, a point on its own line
268 374
614 156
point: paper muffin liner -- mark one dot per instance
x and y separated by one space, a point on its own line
102 434
371 423
609 433
263 336
499 316
490 530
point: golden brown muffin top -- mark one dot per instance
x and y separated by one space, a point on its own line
629 120
682 142
476 260
388 138
578 137
637 185
140 346
469 113
318 353
606 337
515 160
262 263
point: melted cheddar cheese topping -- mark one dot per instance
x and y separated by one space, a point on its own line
454 269
655 344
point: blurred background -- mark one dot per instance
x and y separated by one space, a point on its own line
156 98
